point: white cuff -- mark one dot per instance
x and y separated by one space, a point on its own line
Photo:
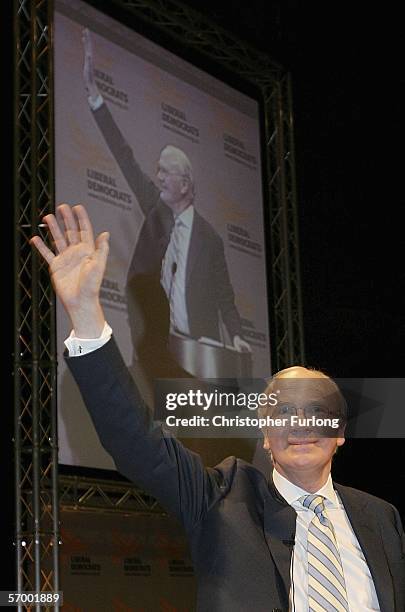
96 102
81 346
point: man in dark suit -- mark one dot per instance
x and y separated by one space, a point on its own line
296 542
179 258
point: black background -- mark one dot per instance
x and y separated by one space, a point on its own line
347 72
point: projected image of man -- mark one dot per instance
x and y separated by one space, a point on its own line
179 262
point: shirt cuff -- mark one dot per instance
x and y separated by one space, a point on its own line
81 346
96 102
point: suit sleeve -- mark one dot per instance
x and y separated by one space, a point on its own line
155 461
399 528
143 187
225 293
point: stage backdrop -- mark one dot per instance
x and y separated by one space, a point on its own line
153 98
140 564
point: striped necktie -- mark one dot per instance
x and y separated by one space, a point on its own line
326 581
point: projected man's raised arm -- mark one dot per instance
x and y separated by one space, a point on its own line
142 186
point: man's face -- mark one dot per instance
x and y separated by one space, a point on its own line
301 449
172 183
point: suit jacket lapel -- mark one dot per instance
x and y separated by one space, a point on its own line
279 527
368 534
165 228
196 244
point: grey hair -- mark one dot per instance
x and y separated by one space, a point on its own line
183 162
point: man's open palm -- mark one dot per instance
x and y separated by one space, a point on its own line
78 264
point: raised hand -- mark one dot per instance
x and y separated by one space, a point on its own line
241 345
88 67
77 267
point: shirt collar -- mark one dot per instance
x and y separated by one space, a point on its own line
292 492
186 217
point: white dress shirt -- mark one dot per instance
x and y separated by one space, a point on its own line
174 269
361 593
81 346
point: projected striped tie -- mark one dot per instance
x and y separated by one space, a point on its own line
326 582
174 261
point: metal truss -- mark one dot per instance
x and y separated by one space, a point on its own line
37 484
285 288
91 495
37 532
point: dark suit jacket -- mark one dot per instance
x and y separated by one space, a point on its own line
241 531
208 287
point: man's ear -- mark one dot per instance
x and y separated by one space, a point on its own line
185 186
341 440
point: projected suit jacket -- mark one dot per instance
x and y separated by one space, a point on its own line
208 287
239 528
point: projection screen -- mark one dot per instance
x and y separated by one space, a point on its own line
108 156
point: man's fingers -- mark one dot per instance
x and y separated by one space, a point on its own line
241 345
102 243
40 245
71 228
247 347
86 228
103 246
57 235
78 230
